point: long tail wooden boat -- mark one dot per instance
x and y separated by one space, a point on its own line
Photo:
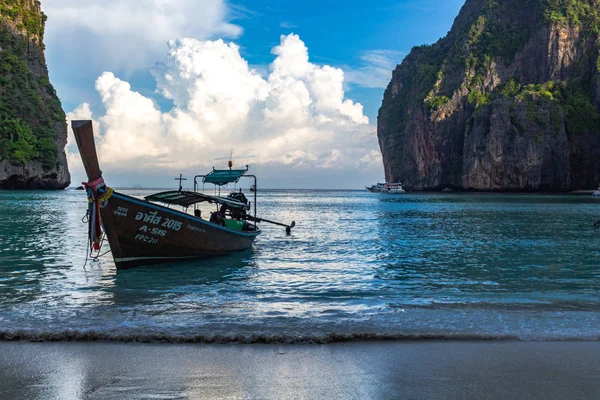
142 232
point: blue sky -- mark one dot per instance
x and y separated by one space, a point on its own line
85 39
338 33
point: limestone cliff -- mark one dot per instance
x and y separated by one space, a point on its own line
508 100
33 129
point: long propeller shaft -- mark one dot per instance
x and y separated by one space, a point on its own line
288 228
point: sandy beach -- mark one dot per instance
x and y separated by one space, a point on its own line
371 370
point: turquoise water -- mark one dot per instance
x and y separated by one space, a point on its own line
358 265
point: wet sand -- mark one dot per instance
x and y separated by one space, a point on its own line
370 370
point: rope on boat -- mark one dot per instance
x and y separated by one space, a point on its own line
98 194
103 198
96 257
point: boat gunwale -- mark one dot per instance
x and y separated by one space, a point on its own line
185 215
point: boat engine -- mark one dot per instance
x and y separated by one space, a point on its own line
239 196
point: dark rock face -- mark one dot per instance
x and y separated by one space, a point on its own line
33 129
508 100
32 175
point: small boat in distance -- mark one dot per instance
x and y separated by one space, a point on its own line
386 188
596 193
145 232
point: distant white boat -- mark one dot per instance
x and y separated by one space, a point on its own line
386 188
596 193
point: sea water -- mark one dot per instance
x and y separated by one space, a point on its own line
357 265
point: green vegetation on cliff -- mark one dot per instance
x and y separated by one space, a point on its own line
573 97
25 19
496 36
583 13
29 107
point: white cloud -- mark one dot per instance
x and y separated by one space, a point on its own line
130 34
376 69
295 121
287 25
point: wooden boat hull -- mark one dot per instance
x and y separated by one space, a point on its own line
144 233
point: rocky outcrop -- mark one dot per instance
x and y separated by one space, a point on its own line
508 100
33 129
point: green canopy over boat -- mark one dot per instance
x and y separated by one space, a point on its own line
221 177
186 199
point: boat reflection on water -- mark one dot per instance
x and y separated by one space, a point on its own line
157 283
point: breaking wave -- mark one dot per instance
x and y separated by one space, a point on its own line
122 337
